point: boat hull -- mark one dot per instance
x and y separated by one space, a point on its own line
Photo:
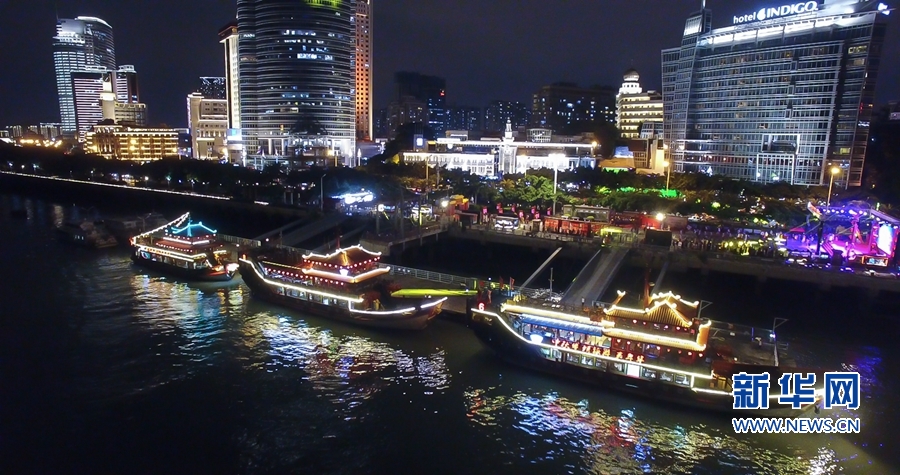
205 275
514 350
86 241
415 320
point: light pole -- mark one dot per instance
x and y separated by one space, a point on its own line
668 173
322 192
554 157
834 171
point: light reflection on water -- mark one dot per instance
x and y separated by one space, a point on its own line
290 393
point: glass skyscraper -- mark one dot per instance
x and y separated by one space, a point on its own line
82 43
297 76
783 94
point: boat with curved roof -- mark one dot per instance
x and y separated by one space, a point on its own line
348 285
185 249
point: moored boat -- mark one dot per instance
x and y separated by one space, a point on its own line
662 351
348 285
126 228
86 233
185 249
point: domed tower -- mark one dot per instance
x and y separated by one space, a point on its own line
632 84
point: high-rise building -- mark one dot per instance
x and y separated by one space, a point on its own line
782 94
297 77
634 107
212 87
126 83
429 89
364 69
90 90
80 43
464 118
228 36
497 113
208 123
405 110
564 106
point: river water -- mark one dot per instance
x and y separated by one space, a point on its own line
107 368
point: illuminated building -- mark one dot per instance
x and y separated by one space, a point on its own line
634 107
563 106
405 110
464 118
90 89
126 85
208 122
363 20
297 77
782 94
212 87
132 143
80 43
228 36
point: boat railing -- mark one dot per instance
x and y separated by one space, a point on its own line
242 242
429 275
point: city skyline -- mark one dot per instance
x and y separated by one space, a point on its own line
484 55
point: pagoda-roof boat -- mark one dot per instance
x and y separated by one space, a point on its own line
348 285
184 248
661 350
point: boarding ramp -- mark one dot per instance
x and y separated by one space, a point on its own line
593 280
286 228
332 244
313 229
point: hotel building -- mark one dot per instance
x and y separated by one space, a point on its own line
228 36
297 77
782 94
80 43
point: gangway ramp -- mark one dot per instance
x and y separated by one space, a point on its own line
313 229
593 280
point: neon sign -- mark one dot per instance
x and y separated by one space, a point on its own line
775 12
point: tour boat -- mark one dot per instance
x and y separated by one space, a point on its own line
185 249
86 233
125 228
662 350
348 285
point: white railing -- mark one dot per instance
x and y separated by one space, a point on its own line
243 242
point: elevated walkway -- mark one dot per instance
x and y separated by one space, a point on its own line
593 280
286 228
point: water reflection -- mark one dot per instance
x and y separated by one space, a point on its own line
555 428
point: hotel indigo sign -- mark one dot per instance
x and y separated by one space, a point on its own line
775 12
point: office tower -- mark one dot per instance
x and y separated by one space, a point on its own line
228 36
126 85
212 87
566 107
634 107
428 89
90 90
80 43
497 113
405 110
297 77
782 94
208 123
364 69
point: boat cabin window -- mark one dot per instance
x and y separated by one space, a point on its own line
572 358
618 344
652 351
682 379
601 364
587 360
648 373
667 377
620 367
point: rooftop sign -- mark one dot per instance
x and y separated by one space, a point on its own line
776 12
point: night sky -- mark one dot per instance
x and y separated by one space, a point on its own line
500 49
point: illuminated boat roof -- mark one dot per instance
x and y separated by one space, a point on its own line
664 309
346 258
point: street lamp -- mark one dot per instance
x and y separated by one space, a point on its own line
322 192
668 172
834 171
554 157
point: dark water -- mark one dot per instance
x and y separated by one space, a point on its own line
109 369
